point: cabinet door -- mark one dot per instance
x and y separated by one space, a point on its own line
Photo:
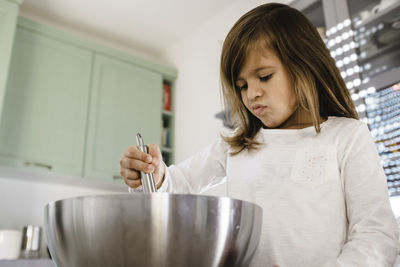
125 100
8 19
45 106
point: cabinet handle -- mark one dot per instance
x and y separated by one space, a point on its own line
117 177
38 164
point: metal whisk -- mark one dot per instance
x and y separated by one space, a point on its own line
147 179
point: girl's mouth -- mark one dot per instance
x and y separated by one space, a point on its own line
258 109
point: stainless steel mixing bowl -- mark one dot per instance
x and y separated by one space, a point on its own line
156 229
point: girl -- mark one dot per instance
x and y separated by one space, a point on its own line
298 150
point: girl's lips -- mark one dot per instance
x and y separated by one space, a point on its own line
258 109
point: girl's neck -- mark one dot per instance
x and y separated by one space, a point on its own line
300 119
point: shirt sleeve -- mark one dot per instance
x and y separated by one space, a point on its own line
372 238
198 173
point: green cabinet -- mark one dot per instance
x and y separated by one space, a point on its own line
72 106
8 20
125 99
45 109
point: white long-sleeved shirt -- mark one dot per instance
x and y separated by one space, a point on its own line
324 196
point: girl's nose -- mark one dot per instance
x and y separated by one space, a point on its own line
254 91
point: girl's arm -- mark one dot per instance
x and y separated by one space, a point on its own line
199 172
372 229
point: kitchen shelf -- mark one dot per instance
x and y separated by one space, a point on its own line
167 113
304 5
167 150
384 79
379 52
390 13
395 194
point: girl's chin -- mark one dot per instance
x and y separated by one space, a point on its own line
272 124
269 124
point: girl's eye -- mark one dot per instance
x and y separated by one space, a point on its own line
242 87
266 78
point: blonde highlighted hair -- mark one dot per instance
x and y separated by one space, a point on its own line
312 72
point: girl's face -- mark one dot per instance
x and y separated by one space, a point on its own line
267 91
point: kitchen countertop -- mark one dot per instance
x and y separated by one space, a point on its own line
27 263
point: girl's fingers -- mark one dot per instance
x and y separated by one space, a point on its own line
129 174
133 161
155 153
133 183
131 177
134 153
134 164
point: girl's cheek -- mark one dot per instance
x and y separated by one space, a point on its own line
244 101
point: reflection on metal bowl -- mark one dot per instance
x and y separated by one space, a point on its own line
156 229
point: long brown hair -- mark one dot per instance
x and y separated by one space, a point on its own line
316 80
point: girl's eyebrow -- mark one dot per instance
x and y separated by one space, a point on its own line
263 67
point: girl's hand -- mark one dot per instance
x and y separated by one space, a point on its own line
133 161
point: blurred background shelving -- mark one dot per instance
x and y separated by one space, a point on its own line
167 150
